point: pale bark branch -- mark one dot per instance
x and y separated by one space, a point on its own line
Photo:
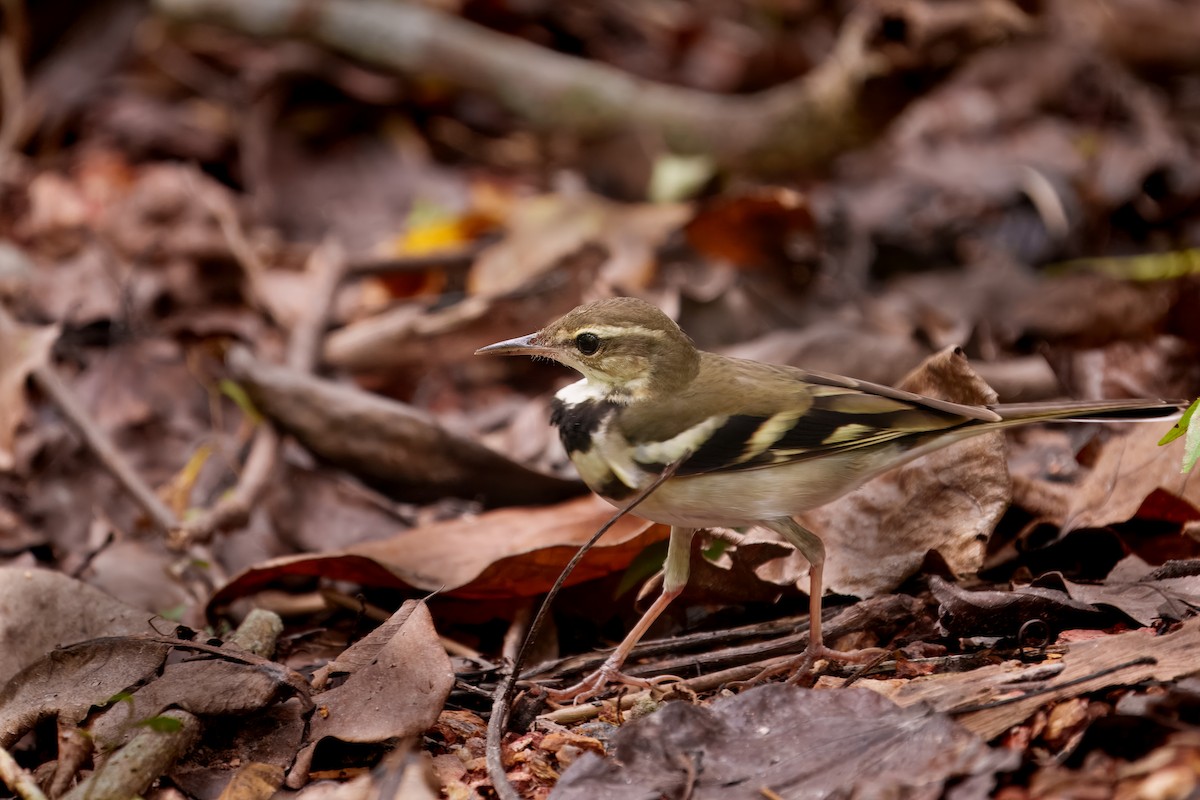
797 124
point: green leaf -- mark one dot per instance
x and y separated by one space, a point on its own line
119 697
1147 267
648 562
1181 425
1191 445
237 394
162 724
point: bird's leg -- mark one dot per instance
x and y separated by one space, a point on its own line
813 550
675 577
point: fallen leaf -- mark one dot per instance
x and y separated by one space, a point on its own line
398 449
1129 470
209 686
512 552
41 610
69 681
792 742
995 613
544 230
22 350
1171 592
399 693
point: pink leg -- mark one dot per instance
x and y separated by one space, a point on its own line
675 576
813 549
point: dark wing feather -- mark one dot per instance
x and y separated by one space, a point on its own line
835 422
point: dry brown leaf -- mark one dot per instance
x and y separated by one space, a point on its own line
399 693
208 687
41 610
512 552
516 552
1129 470
544 230
389 445
23 349
793 742
69 681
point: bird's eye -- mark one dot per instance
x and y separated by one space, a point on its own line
588 343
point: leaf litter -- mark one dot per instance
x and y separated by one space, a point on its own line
1037 595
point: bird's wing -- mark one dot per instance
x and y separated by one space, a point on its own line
834 423
800 415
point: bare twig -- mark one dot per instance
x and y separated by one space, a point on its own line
17 779
51 385
12 77
130 771
102 447
326 265
239 244
502 699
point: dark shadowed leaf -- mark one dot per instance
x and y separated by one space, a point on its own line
792 742
995 613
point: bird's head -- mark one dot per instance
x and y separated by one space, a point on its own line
624 345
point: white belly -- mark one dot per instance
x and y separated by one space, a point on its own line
743 498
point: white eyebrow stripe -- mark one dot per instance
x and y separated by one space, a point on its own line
619 330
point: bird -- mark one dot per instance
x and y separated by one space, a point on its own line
751 443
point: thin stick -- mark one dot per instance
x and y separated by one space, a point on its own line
13 123
327 266
20 781
504 692
97 440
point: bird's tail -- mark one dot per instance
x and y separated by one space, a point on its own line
1090 411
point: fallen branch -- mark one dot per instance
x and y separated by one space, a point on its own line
796 125
151 753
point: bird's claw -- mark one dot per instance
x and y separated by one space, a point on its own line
600 680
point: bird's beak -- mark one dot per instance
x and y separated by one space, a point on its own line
520 346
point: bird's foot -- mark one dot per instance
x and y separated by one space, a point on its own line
802 665
595 684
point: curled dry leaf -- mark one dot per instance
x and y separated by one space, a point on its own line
22 350
67 682
393 447
996 613
793 742
1171 591
513 552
